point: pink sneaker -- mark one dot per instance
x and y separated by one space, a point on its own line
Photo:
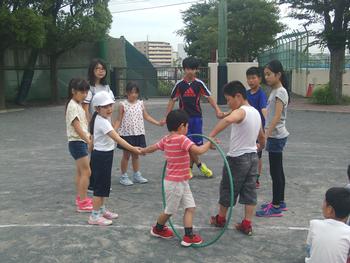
109 215
77 199
100 221
84 206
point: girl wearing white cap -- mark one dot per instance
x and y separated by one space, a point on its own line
104 138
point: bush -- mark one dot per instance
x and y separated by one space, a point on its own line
323 95
164 88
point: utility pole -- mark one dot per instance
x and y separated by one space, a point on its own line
222 51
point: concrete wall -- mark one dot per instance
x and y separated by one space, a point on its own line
235 71
302 78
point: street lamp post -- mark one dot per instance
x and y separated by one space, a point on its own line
222 51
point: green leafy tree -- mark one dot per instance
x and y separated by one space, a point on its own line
20 26
68 23
252 26
334 15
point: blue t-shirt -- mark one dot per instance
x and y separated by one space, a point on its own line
259 101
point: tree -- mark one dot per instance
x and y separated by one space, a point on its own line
68 23
252 26
20 26
335 34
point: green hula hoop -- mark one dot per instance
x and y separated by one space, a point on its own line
218 236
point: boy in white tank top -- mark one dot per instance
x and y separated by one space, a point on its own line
245 122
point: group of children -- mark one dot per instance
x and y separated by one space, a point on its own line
255 122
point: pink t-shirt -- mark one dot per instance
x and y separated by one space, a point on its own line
176 149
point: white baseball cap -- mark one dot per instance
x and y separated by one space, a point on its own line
102 98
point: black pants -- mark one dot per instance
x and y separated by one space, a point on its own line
277 176
101 170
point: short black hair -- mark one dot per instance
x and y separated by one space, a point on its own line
175 118
339 199
234 87
190 63
254 71
132 86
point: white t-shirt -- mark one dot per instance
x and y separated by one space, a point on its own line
244 134
75 111
132 123
93 90
102 142
329 241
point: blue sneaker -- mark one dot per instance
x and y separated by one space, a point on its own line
269 211
283 206
124 180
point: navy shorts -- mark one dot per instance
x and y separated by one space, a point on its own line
275 145
137 141
78 149
101 171
195 126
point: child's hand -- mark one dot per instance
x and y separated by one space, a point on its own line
212 146
220 114
138 150
162 122
143 151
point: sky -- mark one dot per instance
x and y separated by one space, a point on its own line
160 24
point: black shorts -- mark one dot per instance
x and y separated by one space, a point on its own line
243 169
135 140
101 170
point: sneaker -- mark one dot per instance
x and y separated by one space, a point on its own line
244 228
188 241
214 221
84 206
269 211
109 215
165 233
100 221
206 171
77 199
283 206
124 180
137 178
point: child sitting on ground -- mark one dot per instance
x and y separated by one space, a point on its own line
329 239
177 148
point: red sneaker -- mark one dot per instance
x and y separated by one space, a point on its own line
215 220
245 227
165 233
188 241
257 185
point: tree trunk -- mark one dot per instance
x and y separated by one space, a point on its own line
54 79
336 73
27 77
2 80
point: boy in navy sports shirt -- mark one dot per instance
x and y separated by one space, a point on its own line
257 98
189 91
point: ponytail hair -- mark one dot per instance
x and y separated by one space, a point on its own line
276 67
92 123
76 84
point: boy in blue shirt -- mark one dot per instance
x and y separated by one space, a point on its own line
189 91
257 98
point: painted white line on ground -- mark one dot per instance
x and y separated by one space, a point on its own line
141 227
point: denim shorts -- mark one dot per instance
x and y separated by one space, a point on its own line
275 145
195 126
78 149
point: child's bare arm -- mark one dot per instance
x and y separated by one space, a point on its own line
264 113
170 107
219 113
198 150
150 119
235 117
86 109
120 116
261 139
80 131
116 137
150 149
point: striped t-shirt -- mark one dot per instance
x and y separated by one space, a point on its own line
176 149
